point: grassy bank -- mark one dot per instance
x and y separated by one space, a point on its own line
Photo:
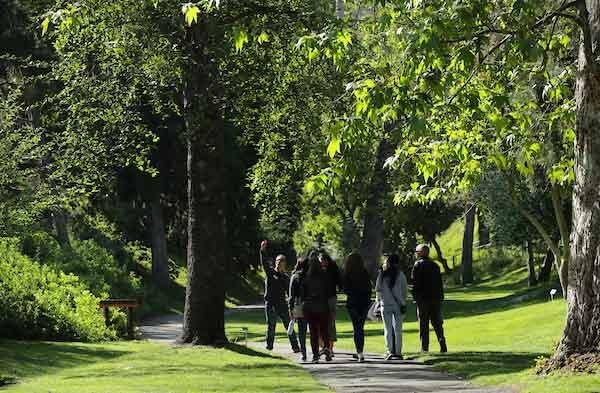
141 367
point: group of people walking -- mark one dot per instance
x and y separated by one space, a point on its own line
309 297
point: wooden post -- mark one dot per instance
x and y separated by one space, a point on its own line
106 319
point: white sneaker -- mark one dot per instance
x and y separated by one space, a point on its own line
361 358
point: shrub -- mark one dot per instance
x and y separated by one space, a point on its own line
40 302
95 266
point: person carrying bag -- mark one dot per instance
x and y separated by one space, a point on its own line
392 290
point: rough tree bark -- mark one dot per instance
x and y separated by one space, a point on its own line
371 244
60 220
582 330
203 320
160 255
339 9
532 279
467 245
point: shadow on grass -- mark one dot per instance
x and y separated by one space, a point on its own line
25 359
475 364
465 308
247 351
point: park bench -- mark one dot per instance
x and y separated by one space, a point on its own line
129 304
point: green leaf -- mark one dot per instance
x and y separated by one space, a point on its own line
334 147
45 24
535 148
240 39
191 13
344 37
263 37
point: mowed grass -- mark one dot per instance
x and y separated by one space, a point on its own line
142 367
495 332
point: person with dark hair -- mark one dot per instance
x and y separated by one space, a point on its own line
357 287
428 293
316 306
333 283
296 301
277 283
391 289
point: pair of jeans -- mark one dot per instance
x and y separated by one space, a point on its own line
358 315
273 311
302 328
392 329
427 311
318 323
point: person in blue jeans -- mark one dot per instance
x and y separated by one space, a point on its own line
296 299
391 291
277 283
357 287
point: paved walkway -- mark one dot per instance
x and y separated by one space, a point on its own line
344 374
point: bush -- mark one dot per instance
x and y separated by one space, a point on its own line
39 302
93 264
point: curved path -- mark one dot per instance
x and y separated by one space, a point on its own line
344 374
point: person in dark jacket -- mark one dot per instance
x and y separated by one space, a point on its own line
316 306
277 283
296 299
334 281
358 288
428 293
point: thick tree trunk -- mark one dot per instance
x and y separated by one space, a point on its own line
160 255
582 330
531 265
440 256
339 9
350 235
371 245
467 245
546 268
203 319
60 220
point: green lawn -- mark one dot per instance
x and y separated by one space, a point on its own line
141 367
495 330
495 333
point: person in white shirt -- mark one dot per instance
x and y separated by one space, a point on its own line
391 291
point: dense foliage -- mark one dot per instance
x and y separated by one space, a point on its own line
40 302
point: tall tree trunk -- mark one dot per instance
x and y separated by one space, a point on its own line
160 255
203 319
467 245
339 9
531 265
60 220
483 231
350 235
440 256
546 268
582 330
371 245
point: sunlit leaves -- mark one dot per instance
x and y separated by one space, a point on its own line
334 147
240 38
190 11
263 37
45 24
